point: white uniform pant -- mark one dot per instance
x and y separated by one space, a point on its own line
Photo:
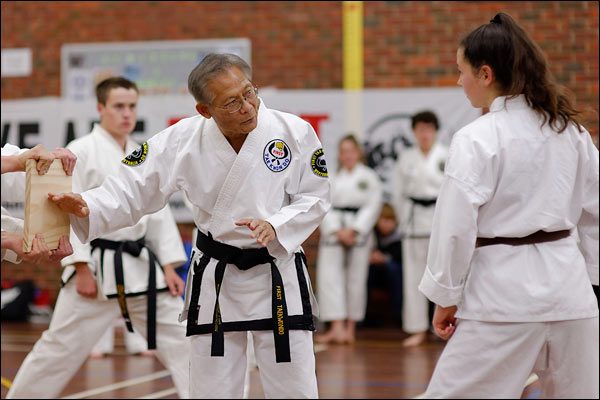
493 360
223 377
77 325
342 281
134 342
415 306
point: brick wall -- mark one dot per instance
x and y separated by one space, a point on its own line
298 45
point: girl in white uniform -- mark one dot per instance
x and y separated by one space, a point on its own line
345 244
514 246
417 180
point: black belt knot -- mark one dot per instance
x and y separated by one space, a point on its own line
243 259
134 248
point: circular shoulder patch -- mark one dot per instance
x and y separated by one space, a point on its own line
137 156
318 165
277 155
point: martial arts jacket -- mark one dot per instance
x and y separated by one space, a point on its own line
279 175
510 176
13 190
99 156
416 184
356 200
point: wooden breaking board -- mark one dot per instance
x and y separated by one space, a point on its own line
41 215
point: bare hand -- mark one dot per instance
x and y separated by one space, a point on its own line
64 249
39 153
67 157
85 281
39 254
174 281
71 203
346 237
377 258
262 231
444 322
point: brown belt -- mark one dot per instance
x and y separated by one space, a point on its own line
537 237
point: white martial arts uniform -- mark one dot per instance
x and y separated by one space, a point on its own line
279 175
13 190
523 307
356 199
78 323
417 181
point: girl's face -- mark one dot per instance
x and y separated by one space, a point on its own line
473 85
349 154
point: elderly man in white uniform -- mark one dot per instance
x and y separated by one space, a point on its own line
133 268
417 180
258 184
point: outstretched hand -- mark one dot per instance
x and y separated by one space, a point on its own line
262 231
71 203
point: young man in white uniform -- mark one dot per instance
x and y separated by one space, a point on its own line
417 180
128 279
258 184
514 247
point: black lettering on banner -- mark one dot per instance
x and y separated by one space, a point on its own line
70 133
5 130
28 129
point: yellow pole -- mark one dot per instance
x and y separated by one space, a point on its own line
352 41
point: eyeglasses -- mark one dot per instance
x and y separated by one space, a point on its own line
236 105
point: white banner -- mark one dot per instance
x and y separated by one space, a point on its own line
386 113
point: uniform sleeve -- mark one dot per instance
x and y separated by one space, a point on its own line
141 187
164 239
10 224
465 188
367 214
398 200
309 201
81 251
587 225
13 183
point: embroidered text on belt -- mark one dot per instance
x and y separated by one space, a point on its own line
243 259
134 248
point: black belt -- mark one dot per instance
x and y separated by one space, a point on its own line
423 202
537 237
347 209
134 248
243 259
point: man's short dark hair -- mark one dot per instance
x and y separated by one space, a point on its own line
210 66
427 117
104 87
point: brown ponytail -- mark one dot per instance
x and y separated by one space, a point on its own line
520 67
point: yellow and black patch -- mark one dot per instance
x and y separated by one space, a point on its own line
137 157
363 185
318 165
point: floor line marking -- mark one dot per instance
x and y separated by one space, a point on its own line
119 385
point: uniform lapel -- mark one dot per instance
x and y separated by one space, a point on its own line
243 164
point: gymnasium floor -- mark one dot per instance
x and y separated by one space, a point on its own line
376 366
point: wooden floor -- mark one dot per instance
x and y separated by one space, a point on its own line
376 366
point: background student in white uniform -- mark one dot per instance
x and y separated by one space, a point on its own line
13 190
346 242
514 247
417 180
258 184
116 274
